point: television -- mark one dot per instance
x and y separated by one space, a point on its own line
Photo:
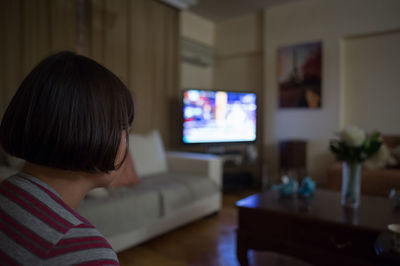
217 116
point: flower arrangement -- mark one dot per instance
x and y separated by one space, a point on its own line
354 146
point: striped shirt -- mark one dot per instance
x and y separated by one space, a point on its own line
38 228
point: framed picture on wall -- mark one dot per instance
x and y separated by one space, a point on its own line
299 75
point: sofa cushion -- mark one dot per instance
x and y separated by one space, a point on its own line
148 153
173 194
126 209
383 158
3 160
200 187
178 190
396 153
98 193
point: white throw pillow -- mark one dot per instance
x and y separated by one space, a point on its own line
148 153
98 193
396 152
15 162
381 159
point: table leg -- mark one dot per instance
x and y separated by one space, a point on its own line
241 254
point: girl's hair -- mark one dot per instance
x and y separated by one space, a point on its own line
68 113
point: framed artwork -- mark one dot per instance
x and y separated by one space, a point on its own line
299 75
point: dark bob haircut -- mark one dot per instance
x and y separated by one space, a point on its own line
69 113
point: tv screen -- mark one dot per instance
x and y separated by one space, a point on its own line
219 116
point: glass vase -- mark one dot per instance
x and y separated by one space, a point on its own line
351 182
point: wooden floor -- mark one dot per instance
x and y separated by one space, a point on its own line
207 242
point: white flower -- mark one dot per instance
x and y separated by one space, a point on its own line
353 136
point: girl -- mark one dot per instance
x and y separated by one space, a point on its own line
69 121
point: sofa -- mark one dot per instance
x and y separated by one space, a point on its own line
377 180
8 165
173 189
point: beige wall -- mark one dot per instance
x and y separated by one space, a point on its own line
238 46
239 72
239 36
197 28
203 31
196 77
239 67
306 21
372 82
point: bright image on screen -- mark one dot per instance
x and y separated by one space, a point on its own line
218 116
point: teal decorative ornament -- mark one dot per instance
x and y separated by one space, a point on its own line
307 187
287 188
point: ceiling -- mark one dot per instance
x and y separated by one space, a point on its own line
219 10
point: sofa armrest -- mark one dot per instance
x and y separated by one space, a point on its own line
196 163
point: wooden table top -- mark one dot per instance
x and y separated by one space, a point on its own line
374 213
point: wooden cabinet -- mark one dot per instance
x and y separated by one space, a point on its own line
240 173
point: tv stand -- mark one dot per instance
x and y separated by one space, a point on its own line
240 170
216 149
222 150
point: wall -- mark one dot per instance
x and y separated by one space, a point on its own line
239 67
203 31
372 82
307 21
238 47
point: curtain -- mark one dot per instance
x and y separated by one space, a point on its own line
135 39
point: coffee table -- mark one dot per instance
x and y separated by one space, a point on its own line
317 230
